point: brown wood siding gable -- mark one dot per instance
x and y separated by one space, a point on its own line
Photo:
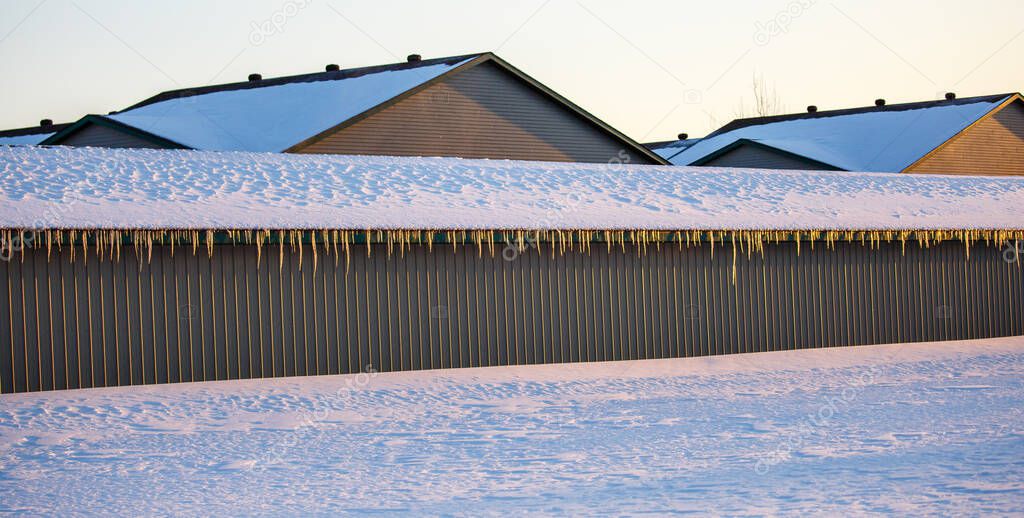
482 112
993 146
747 155
94 135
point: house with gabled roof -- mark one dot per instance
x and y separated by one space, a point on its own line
472 106
975 135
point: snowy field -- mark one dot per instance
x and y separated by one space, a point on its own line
927 428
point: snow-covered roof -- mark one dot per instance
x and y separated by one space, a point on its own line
279 115
886 139
32 135
176 189
24 140
671 148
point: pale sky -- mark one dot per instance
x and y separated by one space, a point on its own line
652 69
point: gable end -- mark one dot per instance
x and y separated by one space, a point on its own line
98 131
752 154
482 111
992 146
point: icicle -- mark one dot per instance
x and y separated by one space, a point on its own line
334 237
312 241
734 255
259 249
280 245
349 242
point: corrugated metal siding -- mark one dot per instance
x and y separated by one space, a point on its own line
187 318
761 158
483 112
94 135
994 146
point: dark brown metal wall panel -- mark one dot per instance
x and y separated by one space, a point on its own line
92 323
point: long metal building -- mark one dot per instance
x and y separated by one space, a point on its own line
137 267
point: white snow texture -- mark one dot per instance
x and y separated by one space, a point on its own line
117 188
918 429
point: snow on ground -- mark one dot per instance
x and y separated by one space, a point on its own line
926 428
116 188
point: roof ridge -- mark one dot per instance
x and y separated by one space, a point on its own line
337 75
771 119
35 130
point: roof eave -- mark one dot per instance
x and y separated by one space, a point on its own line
749 142
99 120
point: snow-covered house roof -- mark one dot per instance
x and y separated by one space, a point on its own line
90 188
271 114
670 148
30 136
281 114
888 138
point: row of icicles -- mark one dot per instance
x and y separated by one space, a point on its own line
338 243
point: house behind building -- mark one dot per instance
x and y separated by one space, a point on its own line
473 106
975 136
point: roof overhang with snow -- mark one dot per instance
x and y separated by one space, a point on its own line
90 188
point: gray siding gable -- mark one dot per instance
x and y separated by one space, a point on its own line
481 112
